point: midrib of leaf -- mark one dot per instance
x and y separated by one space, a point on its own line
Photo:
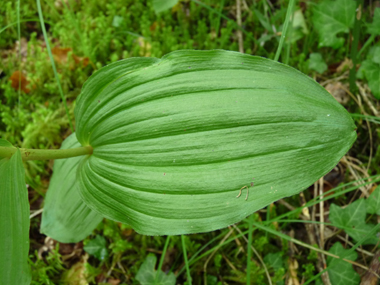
353 216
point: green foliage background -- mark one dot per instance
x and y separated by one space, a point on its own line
101 32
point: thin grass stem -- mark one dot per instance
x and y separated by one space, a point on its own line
316 200
372 119
52 63
162 258
200 250
249 250
21 21
216 247
281 235
19 52
366 44
354 47
226 18
347 253
186 260
284 29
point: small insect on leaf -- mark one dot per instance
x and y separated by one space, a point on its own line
241 189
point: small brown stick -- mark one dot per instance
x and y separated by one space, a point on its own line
229 262
239 32
325 277
213 253
357 249
359 102
336 79
331 254
363 188
366 99
322 216
310 229
246 8
369 278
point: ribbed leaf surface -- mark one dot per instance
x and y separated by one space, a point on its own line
66 218
176 138
14 222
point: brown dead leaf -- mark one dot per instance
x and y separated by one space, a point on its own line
373 188
369 278
293 266
15 77
346 64
113 281
81 60
153 27
337 89
60 56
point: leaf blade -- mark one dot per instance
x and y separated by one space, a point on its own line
177 139
341 272
162 5
331 18
14 223
352 220
147 275
66 218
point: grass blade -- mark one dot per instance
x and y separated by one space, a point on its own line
249 250
284 30
19 51
186 260
162 258
52 62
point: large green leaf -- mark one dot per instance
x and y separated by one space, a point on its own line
352 220
370 70
97 247
332 17
66 217
373 202
342 272
162 5
5 143
176 138
374 27
147 275
14 222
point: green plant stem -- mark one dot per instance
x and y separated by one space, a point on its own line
19 52
366 44
45 154
193 261
337 192
284 30
281 235
249 250
21 21
186 260
52 62
162 259
226 18
354 48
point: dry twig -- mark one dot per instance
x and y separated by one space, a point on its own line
239 32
